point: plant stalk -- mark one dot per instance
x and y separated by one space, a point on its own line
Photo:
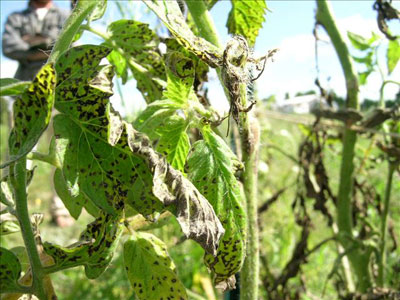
249 135
384 229
204 22
359 258
71 27
18 181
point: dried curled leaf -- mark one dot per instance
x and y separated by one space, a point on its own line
150 270
246 18
113 164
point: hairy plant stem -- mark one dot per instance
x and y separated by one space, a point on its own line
359 258
249 136
71 27
384 229
18 182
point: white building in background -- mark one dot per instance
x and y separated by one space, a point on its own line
300 104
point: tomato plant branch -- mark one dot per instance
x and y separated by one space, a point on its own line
359 258
71 27
50 159
384 226
18 181
203 21
249 136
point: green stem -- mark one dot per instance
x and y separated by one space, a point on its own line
381 91
203 21
359 259
249 136
18 181
50 159
71 27
384 218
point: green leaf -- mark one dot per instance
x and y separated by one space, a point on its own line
366 60
171 15
150 270
107 160
140 46
174 142
8 227
210 167
6 194
98 11
201 68
180 77
73 204
393 54
32 113
358 41
120 64
95 247
246 18
154 116
10 271
12 86
362 77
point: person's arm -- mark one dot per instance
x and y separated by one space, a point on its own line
17 47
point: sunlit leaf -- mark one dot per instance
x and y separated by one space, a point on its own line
140 46
211 166
150 270
12 86
32 112
110 162
246 18
171 15
358 41
393 55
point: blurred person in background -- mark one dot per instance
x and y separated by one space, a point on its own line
28 38
30 34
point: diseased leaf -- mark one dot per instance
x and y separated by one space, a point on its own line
12 86
201 68
393 54
174 142
73 204
95 247
8 227
180 76
171 15
140 45
150 270
32 112
10 270
246 18
110 162
210 167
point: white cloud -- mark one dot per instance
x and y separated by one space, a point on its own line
294 66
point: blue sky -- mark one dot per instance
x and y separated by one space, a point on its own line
288 27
